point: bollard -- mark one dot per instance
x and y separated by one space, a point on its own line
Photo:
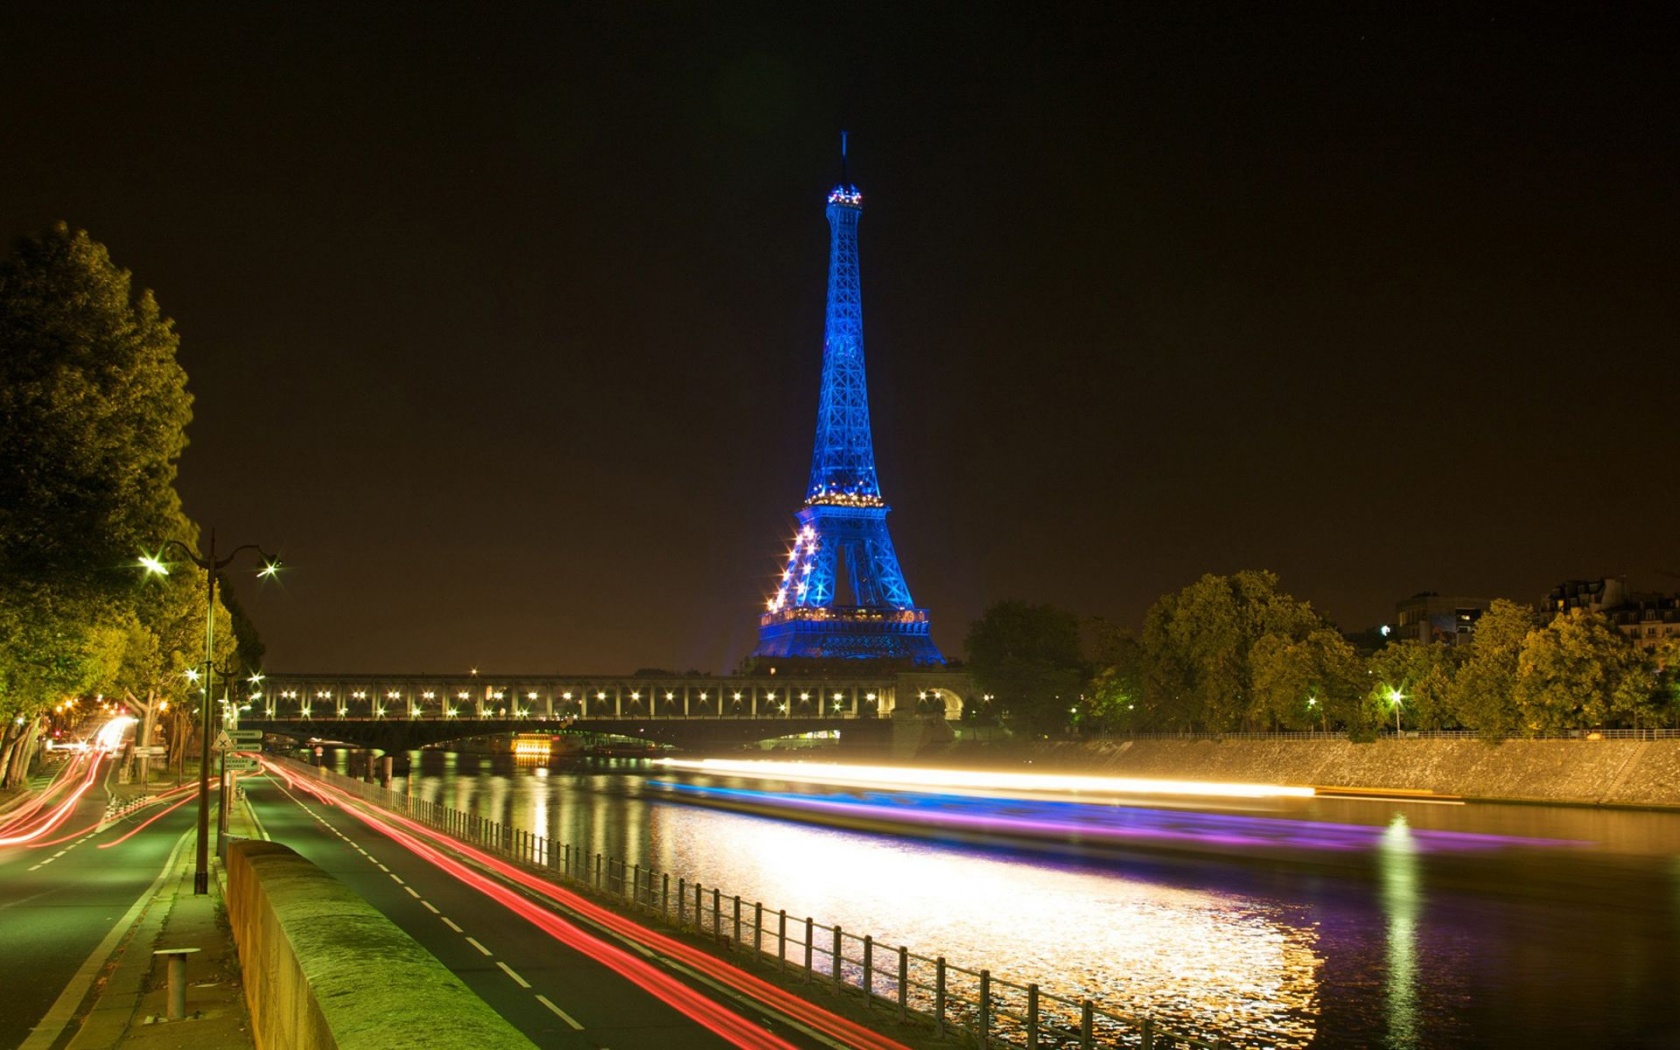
177 980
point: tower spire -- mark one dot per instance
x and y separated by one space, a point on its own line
842 593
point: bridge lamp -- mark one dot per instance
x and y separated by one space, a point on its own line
600 696
450 713
304 710
670 695
635 694
427 694
737 695
414 712
379 712
343 711
567 695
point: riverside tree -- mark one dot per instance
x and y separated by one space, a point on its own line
1028 658
93 415
1198 650
1580 671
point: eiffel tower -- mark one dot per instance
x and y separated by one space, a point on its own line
842 594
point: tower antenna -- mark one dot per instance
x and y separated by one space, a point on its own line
845 179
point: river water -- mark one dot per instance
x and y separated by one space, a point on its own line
1341 924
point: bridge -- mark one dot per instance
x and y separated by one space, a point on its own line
405 711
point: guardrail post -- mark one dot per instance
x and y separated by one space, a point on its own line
682 901
1148 1033
758 927
636 886
566 859
737 938
717 912
697 907
838 974
597 871
985 1006
868 969
665 893
939 997
903 984
781 940
1032 1017
810 932
1085 1011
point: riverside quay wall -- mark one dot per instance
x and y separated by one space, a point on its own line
1580 772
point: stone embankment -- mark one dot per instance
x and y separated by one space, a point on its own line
1578 772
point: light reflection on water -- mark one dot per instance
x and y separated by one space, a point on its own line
1490 949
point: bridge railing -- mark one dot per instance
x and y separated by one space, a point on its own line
988 1010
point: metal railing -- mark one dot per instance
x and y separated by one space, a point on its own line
988 1010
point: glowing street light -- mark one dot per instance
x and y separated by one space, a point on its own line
154 565
1394 698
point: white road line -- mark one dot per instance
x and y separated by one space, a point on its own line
394 878
412 892
381 867
431 907
474 942
447 921
522 982
563 1015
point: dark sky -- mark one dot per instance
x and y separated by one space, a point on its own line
504 321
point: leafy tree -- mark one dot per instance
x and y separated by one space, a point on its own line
1313 682
1482 693
1423 673
93 411
1114 698
1198 646
1580 671
1028 658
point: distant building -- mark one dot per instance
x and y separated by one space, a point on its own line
1647 617
1428 617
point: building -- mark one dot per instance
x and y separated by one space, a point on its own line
1647 617
1429 617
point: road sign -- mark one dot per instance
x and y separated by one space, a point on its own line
223 742
246 736
240 764
153 751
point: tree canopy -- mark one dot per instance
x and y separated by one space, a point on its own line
93 415
1028 659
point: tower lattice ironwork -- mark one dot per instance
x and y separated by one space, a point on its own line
842 594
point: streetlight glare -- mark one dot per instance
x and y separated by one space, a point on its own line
270 569
153 566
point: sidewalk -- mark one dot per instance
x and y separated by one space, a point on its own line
131 994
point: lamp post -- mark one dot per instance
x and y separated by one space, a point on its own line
211 566
1394 697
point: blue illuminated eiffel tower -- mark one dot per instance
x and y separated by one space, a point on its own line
842 594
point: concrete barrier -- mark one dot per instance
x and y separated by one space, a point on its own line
323 969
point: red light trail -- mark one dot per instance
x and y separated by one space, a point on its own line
700 1008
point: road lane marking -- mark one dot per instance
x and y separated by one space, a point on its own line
522 982
380 866
412 892
563 1015
474 942
431 907
394 878
447 921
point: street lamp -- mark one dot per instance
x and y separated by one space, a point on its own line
211 566
1394 697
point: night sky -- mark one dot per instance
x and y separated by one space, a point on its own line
504 321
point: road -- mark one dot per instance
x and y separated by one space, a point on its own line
575 995
67 895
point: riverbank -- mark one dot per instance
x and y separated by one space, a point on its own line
1571 772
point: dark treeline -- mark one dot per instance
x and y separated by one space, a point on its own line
1234 653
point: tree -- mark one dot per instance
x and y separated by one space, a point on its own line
1114 698
1198 645
1313 682
1580 671
1482 693
93 411
1422 673
1028 658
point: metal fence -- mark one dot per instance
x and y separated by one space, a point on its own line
1387 734
988 1010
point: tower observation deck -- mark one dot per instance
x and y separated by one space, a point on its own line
842 594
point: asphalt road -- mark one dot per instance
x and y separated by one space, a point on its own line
59 902
558 996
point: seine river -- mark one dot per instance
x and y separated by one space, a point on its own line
1352 924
